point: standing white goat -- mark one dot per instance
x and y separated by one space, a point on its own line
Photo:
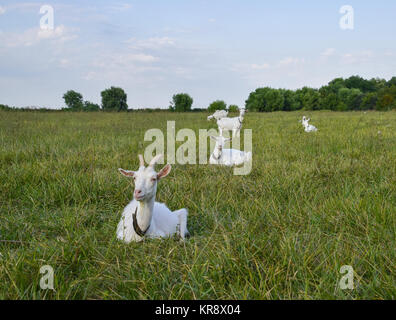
227 157
234 124
308 127
219 114
143 216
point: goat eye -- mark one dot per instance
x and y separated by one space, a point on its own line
153 179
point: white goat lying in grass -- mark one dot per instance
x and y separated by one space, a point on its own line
219 114
308 127
233 124
143 216
227 157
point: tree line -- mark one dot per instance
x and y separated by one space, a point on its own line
113 99
353 93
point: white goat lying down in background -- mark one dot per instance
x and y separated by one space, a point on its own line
308 127
219 114
143 216
232 124
227 157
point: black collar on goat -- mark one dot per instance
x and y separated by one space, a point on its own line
136 226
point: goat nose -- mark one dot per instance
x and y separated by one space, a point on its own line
137 192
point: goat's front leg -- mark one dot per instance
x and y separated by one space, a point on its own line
182 217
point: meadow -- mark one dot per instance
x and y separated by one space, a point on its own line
311 204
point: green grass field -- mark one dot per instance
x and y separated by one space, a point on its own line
312 203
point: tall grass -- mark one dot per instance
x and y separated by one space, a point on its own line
312 203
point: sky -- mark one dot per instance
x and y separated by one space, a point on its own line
210 49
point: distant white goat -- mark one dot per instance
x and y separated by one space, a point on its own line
227 157
143 216
219 114
308 127
233 124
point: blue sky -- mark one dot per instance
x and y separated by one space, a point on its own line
217 49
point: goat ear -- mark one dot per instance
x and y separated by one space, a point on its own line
164 171
126 173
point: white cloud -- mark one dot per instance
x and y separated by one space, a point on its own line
2 10
120 66
256 68
59 32
260 66
212 20
290 61
120 7
358 57
139 57
328 52
34 36
64 63
151 43
24 6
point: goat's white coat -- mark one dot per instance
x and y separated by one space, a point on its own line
227 157
164 223
231 124
153 217
219 114
308 127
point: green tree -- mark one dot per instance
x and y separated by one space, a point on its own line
385 102
386 98
90 106
308 98
233 108
256 100
391 82
369 101
114 99
350 99
378 83
355 99
73 100
356 82
181 102
328 98
353 93
336 84
4 107
290 100
217 105
265 100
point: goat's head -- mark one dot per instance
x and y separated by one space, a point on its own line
146 178
220 142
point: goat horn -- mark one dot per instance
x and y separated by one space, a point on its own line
141 159
155 160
